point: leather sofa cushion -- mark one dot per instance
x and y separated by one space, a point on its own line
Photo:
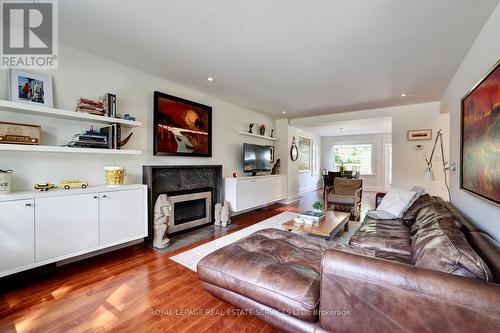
391 236
440 245
429 214
274 267
397 257
488 249
412 213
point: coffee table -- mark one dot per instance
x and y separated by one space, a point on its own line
327 227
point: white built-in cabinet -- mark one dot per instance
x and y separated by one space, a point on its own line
118 215
65 225
62 224
17 234
245 193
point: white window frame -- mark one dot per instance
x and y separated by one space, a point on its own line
361 143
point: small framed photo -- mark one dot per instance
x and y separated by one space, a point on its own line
416 135
26 87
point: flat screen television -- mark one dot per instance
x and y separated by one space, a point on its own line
256 158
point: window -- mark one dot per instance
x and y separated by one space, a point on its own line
356 157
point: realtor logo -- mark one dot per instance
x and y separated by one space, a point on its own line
29 34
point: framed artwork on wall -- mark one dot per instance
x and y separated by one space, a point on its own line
32 88
304 154
416 135
181 127
480 138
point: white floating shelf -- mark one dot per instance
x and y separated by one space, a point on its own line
57 149
258 136
63 114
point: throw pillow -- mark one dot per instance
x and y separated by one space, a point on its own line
396 202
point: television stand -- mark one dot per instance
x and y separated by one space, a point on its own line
245 193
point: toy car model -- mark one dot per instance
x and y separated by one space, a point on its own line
45 186
67 184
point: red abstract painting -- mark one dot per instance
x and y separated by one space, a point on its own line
480 171
182 127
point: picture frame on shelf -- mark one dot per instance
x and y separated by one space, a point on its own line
421 134
31 88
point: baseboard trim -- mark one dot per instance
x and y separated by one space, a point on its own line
291 199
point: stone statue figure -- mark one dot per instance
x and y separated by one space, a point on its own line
218 208
276 167
225 215
162 213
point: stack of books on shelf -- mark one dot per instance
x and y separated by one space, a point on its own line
114 134
89 139
105 106
90 106
108 137
109 104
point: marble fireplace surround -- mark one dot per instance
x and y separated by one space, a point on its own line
180 179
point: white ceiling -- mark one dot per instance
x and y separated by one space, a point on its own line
306 57
353 127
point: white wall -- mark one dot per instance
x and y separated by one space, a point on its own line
375 182
298 182
308 181
407 164
86 75
483 54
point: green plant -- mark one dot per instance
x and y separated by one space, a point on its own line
318 205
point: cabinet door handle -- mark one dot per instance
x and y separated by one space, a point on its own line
28 205
95 197
104 196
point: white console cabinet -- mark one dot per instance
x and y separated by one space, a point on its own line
17 232
245 193
38 228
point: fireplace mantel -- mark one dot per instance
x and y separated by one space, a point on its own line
177 179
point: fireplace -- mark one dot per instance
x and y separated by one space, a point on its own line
190 210
193 189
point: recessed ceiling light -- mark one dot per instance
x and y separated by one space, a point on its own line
210 79
283 111
403 95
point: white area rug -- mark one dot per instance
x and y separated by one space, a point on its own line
191 257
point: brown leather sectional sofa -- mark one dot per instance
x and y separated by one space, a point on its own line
431 271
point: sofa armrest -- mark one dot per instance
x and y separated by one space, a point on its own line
366 294
378 198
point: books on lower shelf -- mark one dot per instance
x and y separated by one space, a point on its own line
108 137
114 134
312 215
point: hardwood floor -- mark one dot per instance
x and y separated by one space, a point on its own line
135 289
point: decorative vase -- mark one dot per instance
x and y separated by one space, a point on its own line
262 129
